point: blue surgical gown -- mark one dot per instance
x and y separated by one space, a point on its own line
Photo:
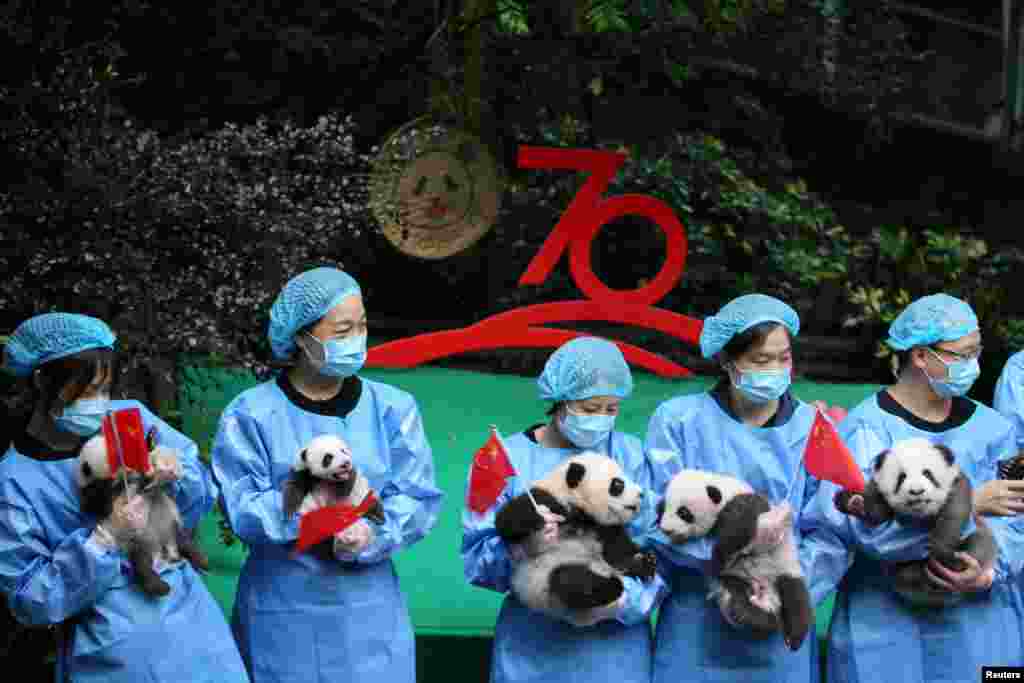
1009 401
1009 395
50 571
693 641
872 629
531 647
300 619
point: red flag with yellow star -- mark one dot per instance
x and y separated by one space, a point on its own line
325 522
126 441
491 467
828 458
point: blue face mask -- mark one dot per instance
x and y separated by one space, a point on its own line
337 357
960 377
84 417
761 386
586 431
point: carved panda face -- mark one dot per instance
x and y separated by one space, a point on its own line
597 485
916 477
693 500
327 457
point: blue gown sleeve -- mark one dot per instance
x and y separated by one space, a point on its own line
666 453
641 597
1008 531
45 586
195 492
241 468
1008 398
825 552
411 499
486 561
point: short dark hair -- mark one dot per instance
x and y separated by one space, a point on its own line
902 360
77 371
749 338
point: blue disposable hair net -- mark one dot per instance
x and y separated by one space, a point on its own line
931 319
305 299
51 336
583 368
740 315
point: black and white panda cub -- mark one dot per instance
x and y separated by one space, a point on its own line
579 570
164 537
325 474
756 575
920 481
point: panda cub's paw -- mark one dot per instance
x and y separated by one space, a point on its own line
643 566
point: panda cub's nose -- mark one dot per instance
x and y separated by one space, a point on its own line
916 492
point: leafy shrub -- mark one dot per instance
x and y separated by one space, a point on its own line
181 243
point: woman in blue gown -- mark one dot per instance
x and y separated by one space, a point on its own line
587 379
748 426
59 566
302 618
873 630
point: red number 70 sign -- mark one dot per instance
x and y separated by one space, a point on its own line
575 231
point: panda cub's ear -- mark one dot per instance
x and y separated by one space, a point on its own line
303 462
880 459
574 475
946 453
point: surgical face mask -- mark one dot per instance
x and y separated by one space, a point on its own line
586 430
960 377
336 357
85 416
761 386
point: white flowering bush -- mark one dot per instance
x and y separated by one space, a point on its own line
180 244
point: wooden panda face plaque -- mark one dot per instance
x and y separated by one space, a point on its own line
439 193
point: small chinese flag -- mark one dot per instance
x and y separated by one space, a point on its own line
491 468
125 441
321 524
828 458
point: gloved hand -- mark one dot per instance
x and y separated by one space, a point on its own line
599 614
353 539
551 521
1002 497
166 465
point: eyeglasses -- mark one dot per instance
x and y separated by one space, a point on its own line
970 355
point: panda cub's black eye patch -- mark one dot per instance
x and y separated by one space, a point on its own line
616 487
899 480
328 458
684 514
714 494
86 469
931 478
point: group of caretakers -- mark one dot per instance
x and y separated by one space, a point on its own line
305 618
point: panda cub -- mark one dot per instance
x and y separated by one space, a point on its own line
164 537
324 475
579 570
920 482
757 578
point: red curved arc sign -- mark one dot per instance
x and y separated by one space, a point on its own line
575 231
